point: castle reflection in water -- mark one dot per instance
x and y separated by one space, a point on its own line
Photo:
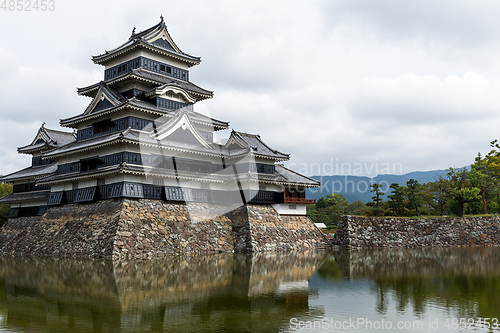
245 292
205 293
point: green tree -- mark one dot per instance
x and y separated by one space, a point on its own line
396 202
4 208
321 203
329 209
357 208
337 206
414 195
493 157
482 176
457 185
434 198
376 199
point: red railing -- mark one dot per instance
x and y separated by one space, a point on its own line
300 200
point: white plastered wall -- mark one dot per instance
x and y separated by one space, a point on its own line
290 209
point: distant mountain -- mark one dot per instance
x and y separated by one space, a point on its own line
356 188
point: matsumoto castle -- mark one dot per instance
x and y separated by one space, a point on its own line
141 137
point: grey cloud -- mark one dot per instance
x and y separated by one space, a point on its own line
471 23
279 71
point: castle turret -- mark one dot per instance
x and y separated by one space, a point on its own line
27 197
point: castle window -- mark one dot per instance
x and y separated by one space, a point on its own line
162 68
169 70
102 126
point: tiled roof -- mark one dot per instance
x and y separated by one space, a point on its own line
256 145
143 40
166 80
50 139
295 177
137 103
282 176
171 173
60 138
31 172
112 93
159 79
84 174
26 196
137 169
130 135
253 144
96 141
34 147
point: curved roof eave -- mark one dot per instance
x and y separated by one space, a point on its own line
124 48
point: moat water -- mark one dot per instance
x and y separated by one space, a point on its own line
420 290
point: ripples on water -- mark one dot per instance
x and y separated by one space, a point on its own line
252 293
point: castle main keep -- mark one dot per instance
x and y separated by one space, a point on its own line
143 174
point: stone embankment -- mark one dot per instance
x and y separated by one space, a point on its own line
394 264
373 232
140 228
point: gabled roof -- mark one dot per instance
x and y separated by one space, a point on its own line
156 38
47 139
137 104
105 98
89 144
239 140
150 77
179 124
30 173
132 136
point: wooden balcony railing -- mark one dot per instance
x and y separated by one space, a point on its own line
300 200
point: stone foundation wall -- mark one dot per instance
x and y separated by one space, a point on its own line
368 232
140 228
72 230
268 231
150 228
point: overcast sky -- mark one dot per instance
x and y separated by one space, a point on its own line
373 83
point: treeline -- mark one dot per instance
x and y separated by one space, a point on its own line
4 208
329 209
471 190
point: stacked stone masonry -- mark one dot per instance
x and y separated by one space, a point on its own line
372 232
140 228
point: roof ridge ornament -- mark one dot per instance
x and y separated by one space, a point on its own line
161 18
